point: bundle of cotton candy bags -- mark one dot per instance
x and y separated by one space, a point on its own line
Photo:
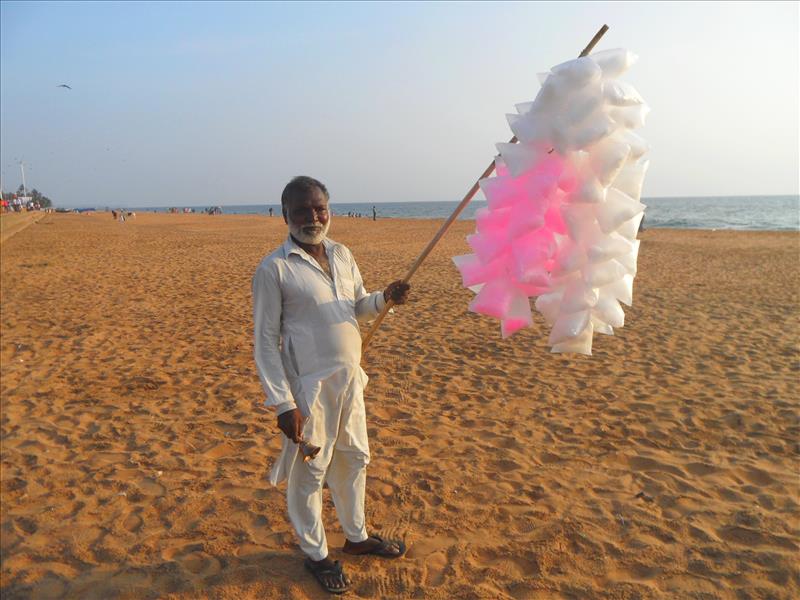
563 210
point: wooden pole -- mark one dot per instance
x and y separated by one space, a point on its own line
446 225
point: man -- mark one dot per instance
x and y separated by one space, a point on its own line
307 296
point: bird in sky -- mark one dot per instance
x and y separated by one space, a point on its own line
64 85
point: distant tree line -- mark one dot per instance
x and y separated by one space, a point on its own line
35 195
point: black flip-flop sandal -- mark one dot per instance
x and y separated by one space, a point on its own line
320 573
385 548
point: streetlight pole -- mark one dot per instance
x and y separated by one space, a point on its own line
24 187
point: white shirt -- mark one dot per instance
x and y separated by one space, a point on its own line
306 324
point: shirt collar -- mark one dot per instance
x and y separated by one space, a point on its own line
290 247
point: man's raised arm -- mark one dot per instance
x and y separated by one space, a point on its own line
370 305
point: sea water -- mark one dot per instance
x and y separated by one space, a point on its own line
771 213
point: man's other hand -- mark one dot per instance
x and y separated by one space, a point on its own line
397 291
291 424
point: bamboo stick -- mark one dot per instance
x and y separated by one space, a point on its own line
446 225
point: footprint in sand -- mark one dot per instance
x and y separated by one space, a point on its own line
505 465
701 469
132 523
26 526
757 476
231 428
642 463
200 563
150 487
398 581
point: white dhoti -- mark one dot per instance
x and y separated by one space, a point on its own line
337 424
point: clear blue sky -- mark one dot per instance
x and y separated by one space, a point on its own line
222 103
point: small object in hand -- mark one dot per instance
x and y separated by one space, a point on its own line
309 451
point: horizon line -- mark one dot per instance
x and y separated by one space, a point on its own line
378 202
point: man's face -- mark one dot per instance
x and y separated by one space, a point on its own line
308 217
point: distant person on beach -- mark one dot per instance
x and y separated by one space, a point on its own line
374 214
307 297
270 211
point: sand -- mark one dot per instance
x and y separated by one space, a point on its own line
135 447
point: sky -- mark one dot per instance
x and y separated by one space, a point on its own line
200 104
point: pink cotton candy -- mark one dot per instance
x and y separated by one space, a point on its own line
518 316
553 219
492 221
475 272
488 245
526 216
495 299
530 252
531 290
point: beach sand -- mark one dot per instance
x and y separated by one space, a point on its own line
135 445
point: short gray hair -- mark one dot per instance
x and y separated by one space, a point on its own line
299 187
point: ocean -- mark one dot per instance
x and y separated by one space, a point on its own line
768 213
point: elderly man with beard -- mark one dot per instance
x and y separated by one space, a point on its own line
307 297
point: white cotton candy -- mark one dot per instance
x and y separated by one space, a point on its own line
620 93
629 259
580 221
569 326
604 273
614 62
608 310
629 116
584 103
521 157
607 159
523 107
618 208
578 296
601 327
580 344
548 305
578 72
630 178
621 289
548 97
590 131
591 191
637 144
559 283
608 247
529 129
570 258
629 229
